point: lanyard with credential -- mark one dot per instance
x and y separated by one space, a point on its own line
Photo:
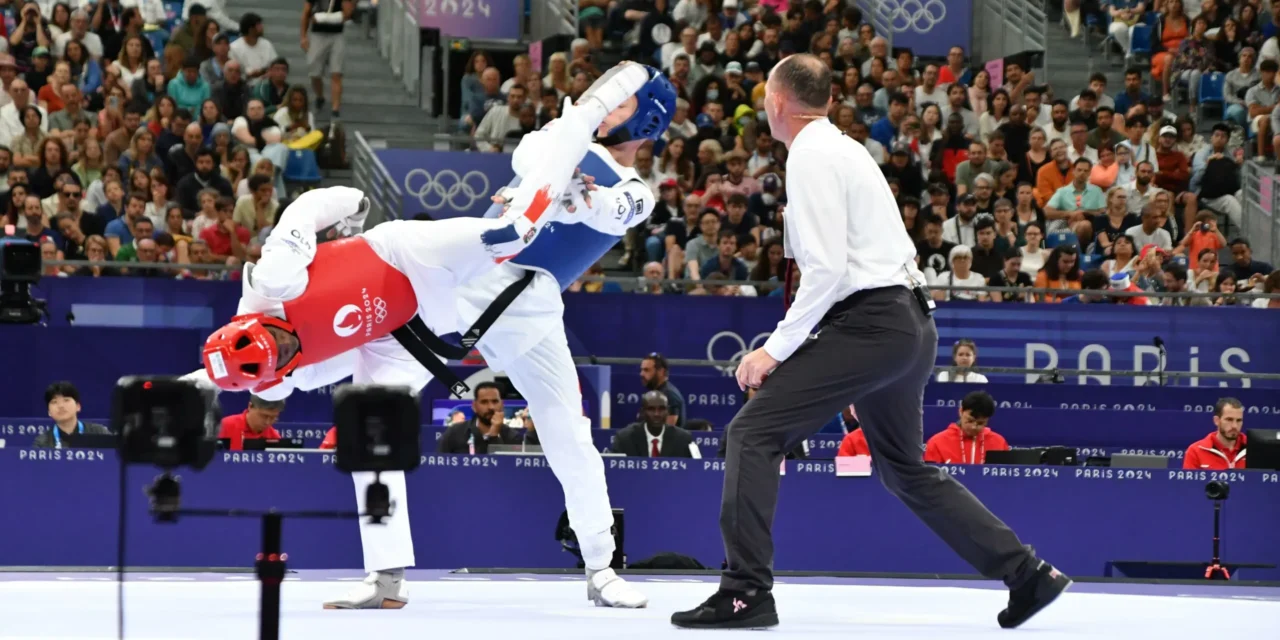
57 434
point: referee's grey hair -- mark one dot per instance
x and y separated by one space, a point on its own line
806 78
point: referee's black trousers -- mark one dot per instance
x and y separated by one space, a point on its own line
875 350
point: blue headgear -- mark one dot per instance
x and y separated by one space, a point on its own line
655 106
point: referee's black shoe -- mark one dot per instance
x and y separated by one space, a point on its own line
1038 592
730 610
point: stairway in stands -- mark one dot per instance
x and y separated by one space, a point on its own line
1072 60
374 101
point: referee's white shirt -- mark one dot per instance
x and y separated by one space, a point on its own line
841 226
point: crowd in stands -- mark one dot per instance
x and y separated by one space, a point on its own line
133 137
1019 185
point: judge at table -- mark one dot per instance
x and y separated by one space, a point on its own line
652 437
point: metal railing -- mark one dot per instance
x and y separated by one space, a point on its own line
399 41
553 18
1003 27
1261 199
879 16
371 177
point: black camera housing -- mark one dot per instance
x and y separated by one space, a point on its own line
165 421
378 428
1217 490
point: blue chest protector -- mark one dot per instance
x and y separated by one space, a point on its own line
565 251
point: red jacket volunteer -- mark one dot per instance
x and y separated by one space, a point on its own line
954 446
1210 454
854 444
236 429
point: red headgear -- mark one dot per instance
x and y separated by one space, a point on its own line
241 356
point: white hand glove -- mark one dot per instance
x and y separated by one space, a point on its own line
616 85
353 224
577 197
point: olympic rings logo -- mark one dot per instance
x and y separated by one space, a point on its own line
446 187
920 16
734 339
379 310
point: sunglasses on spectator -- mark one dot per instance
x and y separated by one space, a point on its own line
71 194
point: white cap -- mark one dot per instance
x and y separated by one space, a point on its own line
1168 130
729 4
733 67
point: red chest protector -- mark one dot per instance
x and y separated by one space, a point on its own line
353 297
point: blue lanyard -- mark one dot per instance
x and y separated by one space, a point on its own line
57 434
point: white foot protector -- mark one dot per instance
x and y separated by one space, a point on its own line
606 589
379 590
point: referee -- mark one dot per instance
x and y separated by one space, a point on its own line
859 332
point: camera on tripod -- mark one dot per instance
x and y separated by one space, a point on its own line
20 264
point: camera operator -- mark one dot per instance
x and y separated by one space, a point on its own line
1225 448
63 400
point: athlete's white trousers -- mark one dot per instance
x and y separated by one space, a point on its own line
547 378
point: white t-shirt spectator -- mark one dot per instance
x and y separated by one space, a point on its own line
283 119
691 13
497 122
1089 154
1160 237
11 127
253 58
91 41
970 377
957 231
938 97
947 279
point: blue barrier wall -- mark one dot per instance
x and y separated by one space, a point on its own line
1081 519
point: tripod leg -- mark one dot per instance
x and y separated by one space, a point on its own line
270 569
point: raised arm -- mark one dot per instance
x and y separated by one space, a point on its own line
281 273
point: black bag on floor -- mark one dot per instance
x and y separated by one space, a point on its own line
333 151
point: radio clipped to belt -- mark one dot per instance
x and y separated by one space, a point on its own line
920 291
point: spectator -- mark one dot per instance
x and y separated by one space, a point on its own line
1151 230
1054 175
257 210
704 247
95 249
964 355
725 262
1216 175
256 423
1203 236
983 192
1174 174
997 113
1270 284
934 250
1079 147
488 427
324 46
1107 170
1223 449
1011 275
1236 87
736 181
1204 278
125 230
188 88
206 176
119 140
654 436
213 69
232 93
1113 222
1061 271
226 239
655 375
295 117
114 206
273 92
1141 150
959 275
28 145
929 89
1261 100
500 120
1124 256
978 164
1244 267
63 400
968 440
62 123
1122 282
182 158
1148 275
52 161
253 50
988 260
1226 286
1141 192
886 128
1090 281
141 155
36 231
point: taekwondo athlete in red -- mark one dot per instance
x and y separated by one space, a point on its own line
555 165
310 315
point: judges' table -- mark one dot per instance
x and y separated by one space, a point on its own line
500 511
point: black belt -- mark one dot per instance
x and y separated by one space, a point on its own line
427 348
920 294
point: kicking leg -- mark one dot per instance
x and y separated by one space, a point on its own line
547 378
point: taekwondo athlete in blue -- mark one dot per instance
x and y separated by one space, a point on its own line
546 178
528 342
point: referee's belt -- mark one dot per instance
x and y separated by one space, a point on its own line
427 348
